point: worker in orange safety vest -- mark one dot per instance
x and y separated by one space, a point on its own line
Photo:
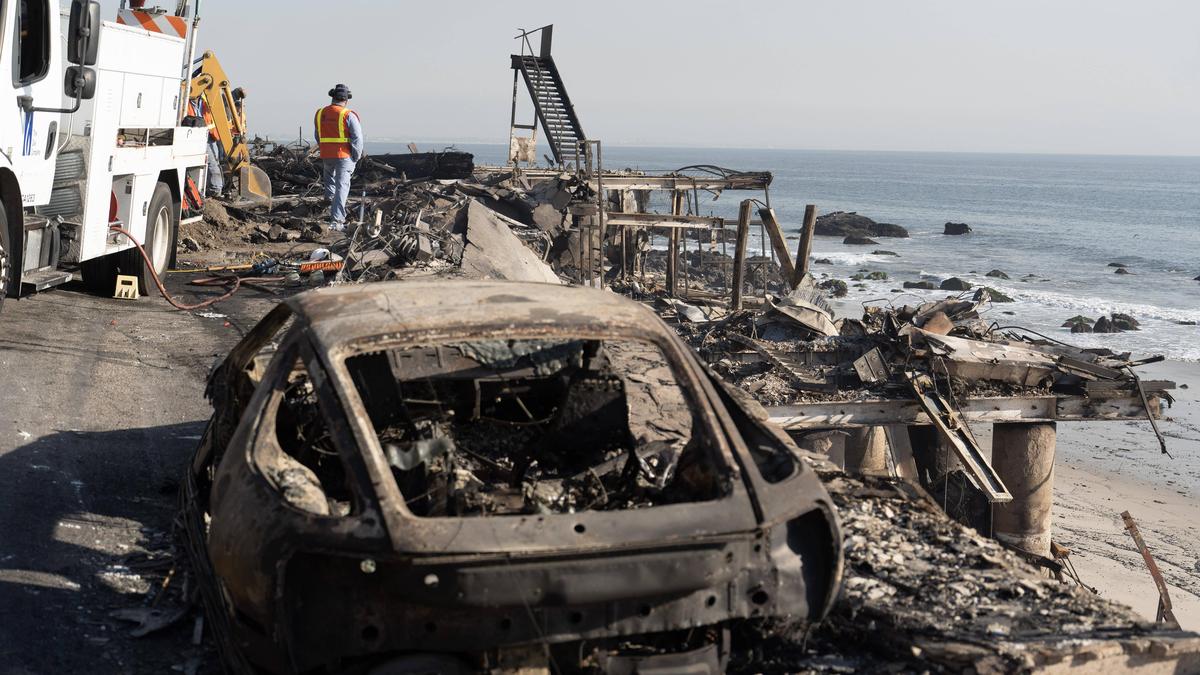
340 138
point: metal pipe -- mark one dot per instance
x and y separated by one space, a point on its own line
185 84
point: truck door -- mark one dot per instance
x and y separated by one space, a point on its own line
29 139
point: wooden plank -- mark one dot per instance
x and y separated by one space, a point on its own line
1124 389
804 250
902 453
1078 408
775 232
877 412
739 254
750 181
664 221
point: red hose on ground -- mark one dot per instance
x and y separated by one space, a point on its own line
237 281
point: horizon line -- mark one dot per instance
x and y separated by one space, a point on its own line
685 146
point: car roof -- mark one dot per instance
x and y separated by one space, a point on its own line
343 314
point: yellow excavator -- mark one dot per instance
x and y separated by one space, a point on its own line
227 107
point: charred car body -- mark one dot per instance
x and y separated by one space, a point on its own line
475 476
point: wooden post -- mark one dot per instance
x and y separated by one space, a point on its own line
1023 456
805 248
673 243
1165 611
739 254
786 270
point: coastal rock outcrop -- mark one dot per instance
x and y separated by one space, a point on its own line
1114 323
993 294
955 284
1124 322
859 240
957 228
997 274
923 285
843 224
1121 270
835 287
885 253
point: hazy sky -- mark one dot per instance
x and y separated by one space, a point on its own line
1093 76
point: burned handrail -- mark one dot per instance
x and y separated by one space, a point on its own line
954 429
1165 613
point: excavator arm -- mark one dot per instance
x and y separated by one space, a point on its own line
210 83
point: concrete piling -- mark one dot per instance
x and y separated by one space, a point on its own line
1023 456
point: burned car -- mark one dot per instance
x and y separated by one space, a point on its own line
464 476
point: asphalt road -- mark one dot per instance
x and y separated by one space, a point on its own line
101 405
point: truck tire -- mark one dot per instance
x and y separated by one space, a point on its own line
5 257
162 224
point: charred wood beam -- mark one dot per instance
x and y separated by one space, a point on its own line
739 254
664 220
866 413
805 247
778 243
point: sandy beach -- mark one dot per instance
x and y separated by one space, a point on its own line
1106 468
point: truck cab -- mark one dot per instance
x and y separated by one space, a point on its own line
92 142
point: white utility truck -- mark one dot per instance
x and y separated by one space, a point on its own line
93 138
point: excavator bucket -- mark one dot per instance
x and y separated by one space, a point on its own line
253 184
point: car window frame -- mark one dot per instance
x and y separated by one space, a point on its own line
296 345
707 423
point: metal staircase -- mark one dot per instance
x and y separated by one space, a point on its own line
550 101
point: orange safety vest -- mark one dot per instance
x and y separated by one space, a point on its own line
212 126
331 131
200 109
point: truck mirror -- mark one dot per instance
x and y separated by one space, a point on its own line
83 40
80 83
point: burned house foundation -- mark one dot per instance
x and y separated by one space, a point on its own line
946 559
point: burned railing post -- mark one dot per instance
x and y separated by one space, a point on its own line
806 238
677 197
1165 613
739 254
779 244
1023 457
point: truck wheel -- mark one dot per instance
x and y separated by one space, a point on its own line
161 224
5 258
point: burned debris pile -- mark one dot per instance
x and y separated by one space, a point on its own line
532 426
927 590
453 222
525 425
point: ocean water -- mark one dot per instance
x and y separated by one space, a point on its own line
1059 218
